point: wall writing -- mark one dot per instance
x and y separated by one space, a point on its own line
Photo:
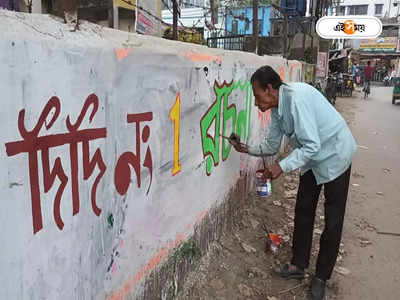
232 121
32 143
239 121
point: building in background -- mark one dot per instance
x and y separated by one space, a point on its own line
302 41
195 15
293 37
141 16
239 21
383 51
294 8
386 10
379 8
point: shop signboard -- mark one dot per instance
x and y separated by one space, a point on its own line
144 25
380 44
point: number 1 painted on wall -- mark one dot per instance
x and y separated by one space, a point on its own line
175 116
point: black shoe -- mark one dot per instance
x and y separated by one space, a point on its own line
285 272
317 291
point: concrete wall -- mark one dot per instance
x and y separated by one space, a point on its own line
111 153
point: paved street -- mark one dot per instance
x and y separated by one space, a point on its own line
374 202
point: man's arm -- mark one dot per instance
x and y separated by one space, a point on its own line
271 144
306 131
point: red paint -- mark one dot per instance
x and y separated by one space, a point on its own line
122 175
201 57
264 117
32 143
122 53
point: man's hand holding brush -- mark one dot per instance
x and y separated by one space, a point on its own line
234 139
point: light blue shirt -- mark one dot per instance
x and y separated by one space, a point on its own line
320 137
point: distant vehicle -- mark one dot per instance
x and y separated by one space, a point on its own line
386 80
327 87
396 89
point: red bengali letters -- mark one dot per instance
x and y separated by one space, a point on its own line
32 143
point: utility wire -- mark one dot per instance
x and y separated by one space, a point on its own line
198 21
166 4
148 12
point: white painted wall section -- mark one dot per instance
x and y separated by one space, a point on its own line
111 151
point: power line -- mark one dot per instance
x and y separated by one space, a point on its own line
163 1
208 9
156 17
149 13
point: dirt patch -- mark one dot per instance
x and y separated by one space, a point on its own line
237 266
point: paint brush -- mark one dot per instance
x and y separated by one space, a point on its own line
234 138
266 230
225 137
262 156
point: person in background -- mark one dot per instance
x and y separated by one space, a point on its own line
354 69
356 74
323 147
392 74
368 77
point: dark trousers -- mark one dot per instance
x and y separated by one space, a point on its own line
335 193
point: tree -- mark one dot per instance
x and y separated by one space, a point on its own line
185 35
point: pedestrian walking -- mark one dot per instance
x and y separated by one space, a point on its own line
323 147
368 77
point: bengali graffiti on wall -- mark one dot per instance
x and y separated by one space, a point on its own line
32 144
105 172
232 121
222 113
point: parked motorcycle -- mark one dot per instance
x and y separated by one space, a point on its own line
327 87
340 84
348 84
330 90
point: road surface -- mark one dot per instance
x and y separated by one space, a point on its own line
374 200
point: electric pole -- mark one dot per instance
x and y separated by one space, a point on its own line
175 20
255 25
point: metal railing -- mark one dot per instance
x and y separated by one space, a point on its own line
234 42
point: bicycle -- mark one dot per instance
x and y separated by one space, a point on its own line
367 90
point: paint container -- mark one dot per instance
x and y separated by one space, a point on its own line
273 240
273 243
264 189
